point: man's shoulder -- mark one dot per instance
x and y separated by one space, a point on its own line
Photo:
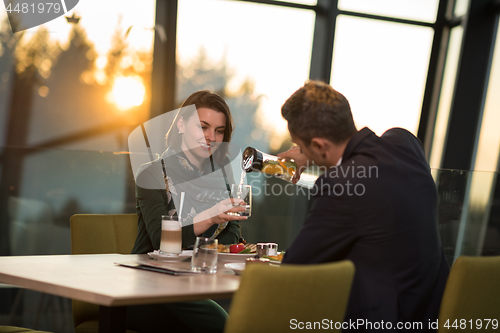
404 144
365 147
402 135
398 131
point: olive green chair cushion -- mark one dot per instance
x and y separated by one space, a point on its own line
269 297
94 234
92 326
13 329
103 233
472 292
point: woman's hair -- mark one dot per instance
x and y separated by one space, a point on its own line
202 99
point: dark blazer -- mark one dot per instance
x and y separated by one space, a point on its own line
378 208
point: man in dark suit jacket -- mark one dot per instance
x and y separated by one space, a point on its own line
375 205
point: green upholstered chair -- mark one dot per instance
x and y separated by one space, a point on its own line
472 292
13 329
94 234
269 297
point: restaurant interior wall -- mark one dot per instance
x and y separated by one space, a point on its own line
63 150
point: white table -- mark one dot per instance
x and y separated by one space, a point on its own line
95 279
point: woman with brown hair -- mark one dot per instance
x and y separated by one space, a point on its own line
195 162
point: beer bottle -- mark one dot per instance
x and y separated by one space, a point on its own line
257 161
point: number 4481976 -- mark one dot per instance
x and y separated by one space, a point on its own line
463 324
30 8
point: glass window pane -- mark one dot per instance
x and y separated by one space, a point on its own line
461 7
68 85
451 187
256 56
444 106
419 10
381 68
64 82
481 227
488 149
86 74
256 63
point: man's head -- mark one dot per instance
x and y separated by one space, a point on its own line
319 118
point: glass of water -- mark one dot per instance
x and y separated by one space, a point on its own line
204 257
244 193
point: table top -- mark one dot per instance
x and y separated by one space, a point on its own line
96 279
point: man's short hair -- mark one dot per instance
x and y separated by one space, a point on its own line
318 110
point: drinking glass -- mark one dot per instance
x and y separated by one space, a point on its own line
204 257
243 192
171 236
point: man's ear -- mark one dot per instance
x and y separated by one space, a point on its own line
319 146
180 124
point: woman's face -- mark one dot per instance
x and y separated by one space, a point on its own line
202 135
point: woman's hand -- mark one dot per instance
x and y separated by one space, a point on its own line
218 214
300 159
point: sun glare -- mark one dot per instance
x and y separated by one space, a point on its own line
127 92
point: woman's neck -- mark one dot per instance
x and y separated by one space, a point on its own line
193 159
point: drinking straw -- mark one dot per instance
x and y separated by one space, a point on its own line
181 205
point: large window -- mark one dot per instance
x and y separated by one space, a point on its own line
67 87
446 97
70 93
419 10
488 148
81 76
480 227
257 55
381 68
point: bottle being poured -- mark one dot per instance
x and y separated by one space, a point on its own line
257 161
254 160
